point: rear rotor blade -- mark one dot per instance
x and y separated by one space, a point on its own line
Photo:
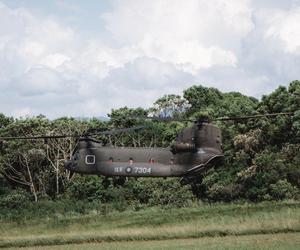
162 119
253 116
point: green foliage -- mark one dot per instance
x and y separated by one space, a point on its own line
219 192
261 155
201 98
15 199
84 188
275 102
283 189
4 121
122 117
133 193
163 192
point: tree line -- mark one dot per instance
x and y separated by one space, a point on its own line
262 156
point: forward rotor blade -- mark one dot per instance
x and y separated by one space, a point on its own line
35 137
117 131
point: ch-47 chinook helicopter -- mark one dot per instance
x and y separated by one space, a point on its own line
196 149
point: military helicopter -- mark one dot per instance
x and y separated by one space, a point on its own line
197 148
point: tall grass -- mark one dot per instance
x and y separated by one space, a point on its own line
290 241
151 224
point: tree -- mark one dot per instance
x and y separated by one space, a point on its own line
261 155
24 167
201 98
4 121
57 151
153 133
169 106
22 162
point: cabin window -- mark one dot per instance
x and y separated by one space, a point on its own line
151 160
130 160
90 159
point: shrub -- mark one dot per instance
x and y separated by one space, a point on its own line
17 198
283 190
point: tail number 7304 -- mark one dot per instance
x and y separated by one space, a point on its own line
140 170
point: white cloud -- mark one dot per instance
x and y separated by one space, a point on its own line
232 79
54 60
189 56
155 47
28 41
284 25
39 81
131 20
182 32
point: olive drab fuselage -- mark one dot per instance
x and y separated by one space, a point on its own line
197 148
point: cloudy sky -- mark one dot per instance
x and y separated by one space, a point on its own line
82 58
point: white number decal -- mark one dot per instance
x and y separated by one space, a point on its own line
142 170
118 169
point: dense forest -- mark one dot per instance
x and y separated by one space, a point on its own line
262 156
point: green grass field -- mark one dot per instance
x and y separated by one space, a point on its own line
211 226
286 241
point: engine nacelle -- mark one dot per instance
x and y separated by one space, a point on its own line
180 147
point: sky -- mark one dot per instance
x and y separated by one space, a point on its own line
83 58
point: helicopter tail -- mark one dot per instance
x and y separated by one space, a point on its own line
203 167
199 169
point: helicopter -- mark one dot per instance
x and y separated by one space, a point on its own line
196 149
